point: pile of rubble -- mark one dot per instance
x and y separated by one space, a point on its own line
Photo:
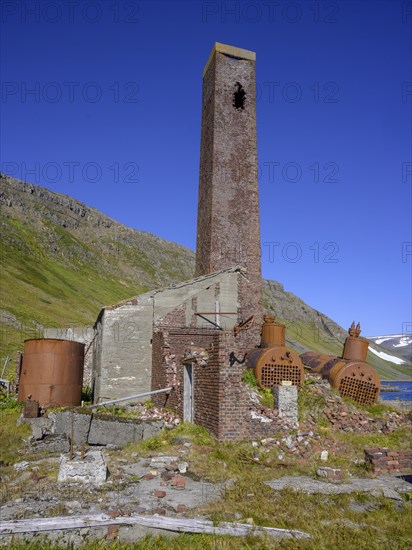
346 417
341 416
383 460
302 445
143 412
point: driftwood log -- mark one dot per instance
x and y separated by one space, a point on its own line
182 525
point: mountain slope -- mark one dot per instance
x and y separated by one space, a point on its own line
308 329
61 261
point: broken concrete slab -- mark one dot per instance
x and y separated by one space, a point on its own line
40 426
92 470
118 432
150 429
81 425
53 443
387 486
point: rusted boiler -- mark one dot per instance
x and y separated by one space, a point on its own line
350 374
52 372
273 363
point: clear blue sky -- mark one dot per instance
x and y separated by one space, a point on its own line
102 101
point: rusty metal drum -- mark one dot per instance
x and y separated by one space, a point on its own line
355 349
52 372
273 334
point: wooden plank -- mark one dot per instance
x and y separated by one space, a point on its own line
182 525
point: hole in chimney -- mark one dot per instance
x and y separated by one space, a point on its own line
239 97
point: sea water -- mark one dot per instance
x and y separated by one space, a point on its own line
401 391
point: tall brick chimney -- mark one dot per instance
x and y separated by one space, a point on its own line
228 227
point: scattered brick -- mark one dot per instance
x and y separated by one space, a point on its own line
178 481
386 461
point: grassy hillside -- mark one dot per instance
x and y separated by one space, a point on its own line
61 261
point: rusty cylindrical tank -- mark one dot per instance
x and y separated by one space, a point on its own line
350 374
52 372
315 360
355 348
273 363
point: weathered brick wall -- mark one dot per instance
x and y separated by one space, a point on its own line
221 401
233 398
170 346
228 230
160 350
383 460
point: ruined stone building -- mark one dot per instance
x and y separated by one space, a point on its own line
193 337
123 345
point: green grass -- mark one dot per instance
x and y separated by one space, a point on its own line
164 441
398 440
265 394
12 436
312 403
332 520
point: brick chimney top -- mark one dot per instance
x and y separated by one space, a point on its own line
232 51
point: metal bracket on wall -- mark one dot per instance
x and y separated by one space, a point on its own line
203 313
244 325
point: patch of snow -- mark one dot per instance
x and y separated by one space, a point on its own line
380 340
387 357
405 341
385 336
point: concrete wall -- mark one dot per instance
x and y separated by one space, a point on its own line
123 343
122 362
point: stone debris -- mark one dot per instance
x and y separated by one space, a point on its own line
20 466
262 417
182 467
92 470
333 474
162 461
340 415
387 486
178 482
